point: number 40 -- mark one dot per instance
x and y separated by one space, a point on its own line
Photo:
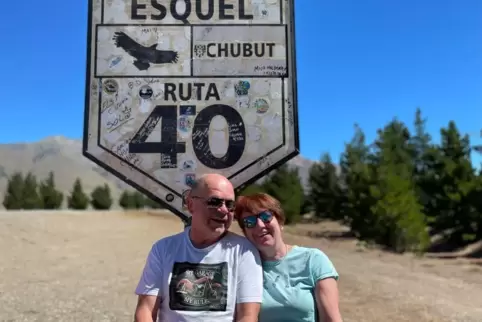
169 147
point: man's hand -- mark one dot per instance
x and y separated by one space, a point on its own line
247 312
146 309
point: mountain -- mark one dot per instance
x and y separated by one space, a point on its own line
64 156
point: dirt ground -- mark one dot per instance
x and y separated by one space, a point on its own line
73 266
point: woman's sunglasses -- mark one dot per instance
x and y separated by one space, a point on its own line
251 221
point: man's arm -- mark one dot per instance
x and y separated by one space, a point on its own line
247 312
147 289
250 285
147 307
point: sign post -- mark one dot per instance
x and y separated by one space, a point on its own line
176 89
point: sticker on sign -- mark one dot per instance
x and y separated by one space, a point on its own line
177 89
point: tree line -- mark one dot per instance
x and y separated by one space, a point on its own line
398 191
26 192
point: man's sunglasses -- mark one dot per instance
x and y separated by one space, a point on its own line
251 221
215 202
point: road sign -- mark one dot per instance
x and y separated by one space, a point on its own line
176 89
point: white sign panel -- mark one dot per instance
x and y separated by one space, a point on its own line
176 89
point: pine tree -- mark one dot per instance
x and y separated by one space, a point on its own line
325 192
137 200
456 212
51 197
475 199
400 222
132 200
101 198
13 199
427 166
31 198
306 204
356 179
285 185
420 143
125 200
78 200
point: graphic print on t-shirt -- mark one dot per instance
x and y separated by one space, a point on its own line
198 287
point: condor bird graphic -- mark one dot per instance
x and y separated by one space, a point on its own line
144 56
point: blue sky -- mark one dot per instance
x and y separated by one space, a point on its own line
358 61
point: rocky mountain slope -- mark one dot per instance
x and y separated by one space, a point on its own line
64 156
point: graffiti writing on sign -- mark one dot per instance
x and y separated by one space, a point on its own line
235 132
136 82
112 105
151 81
120 119
290 112
265 161
122 150
150 30
94 89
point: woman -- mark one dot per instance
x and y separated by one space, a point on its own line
300 283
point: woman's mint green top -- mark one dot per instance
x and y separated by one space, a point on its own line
289 285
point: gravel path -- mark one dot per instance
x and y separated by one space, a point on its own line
72 266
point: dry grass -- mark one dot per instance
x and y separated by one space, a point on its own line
85 266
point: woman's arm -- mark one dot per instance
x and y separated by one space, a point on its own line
327 300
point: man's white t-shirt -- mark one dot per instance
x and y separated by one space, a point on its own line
202 284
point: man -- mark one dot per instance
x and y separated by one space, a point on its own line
204 273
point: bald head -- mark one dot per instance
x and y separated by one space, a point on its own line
211 181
